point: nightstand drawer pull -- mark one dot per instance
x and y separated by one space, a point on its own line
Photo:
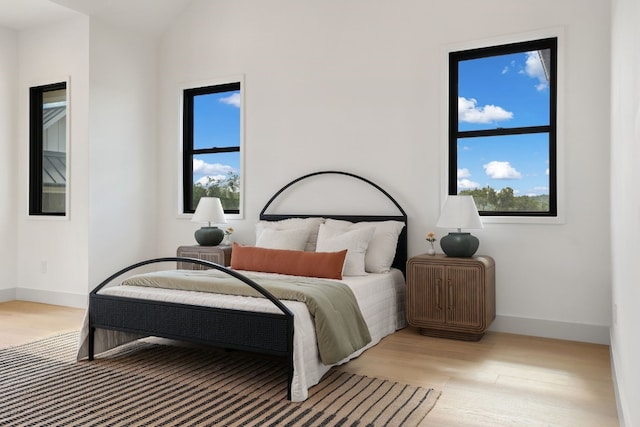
438 299
450 287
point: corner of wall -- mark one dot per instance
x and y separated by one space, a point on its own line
618 382
8 221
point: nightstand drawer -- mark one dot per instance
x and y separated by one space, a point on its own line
451 297
217 254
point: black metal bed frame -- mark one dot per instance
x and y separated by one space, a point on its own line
266 333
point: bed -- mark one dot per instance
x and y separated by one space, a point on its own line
259 322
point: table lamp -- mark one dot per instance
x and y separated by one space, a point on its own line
459 212
209 210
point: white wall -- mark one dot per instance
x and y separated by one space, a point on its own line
122 150
625 207
52 252
359 86
8 235
111 172
332 85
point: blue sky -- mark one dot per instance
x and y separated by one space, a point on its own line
216 124
500 91
503 91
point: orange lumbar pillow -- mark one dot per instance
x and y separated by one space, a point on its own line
327 265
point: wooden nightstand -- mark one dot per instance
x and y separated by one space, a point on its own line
451 297
218 254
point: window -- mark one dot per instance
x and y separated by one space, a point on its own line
212 135
502 128
48 149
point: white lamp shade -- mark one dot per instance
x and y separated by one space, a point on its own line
209 210
459 212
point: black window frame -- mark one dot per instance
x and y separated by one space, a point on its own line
455 134
36 148
188 150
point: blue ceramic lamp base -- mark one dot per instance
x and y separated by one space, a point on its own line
209 236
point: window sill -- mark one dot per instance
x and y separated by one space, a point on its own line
556 220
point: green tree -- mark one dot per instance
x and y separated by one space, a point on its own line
226 189
505 200
485 198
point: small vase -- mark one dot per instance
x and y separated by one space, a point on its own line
431 250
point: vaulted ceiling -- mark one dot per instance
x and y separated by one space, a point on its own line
149 16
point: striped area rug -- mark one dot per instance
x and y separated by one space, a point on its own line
150 384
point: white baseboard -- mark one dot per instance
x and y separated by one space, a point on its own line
49 297
597 334
7 294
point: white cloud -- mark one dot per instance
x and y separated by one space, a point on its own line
208 179
535 70
232 100
470 112
463 182
200 167
501 170
467 184
463 173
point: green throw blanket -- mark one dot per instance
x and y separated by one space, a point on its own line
340 327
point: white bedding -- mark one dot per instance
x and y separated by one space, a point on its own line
381 298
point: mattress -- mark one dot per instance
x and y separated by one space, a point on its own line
381 298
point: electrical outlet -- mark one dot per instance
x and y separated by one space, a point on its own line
615 314
43 267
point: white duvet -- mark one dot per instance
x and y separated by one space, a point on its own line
381 298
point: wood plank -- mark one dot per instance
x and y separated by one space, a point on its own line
23 321
504 379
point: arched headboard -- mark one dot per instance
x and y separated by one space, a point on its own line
400 259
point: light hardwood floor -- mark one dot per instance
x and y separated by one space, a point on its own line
502 380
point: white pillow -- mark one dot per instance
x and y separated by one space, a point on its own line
383 244
294 239
311 224
354 241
